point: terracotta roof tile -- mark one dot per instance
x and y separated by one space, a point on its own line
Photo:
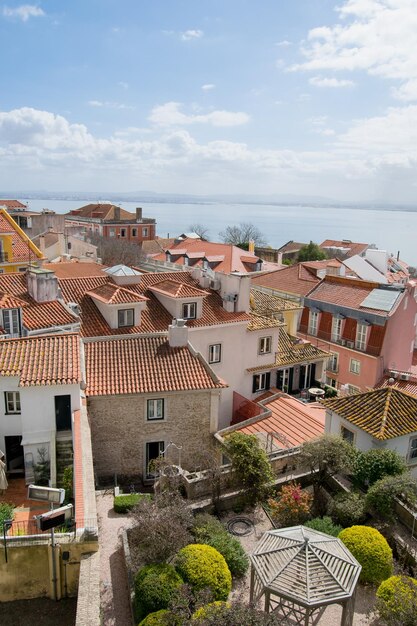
114 294
143 365
12 204
296 279
265 303
46 360
8 301
175 289
75 270
410 386
24 249
383 413
350 247
105 211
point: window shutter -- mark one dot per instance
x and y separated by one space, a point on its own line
268 380
255 384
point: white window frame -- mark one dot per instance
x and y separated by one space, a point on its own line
12 401
336 329
333 363
144 232
313 323
112 232
125 314
261 382
361 337
155 409
11 322
412 450
351 434
355 366
189 310
215 353
265 345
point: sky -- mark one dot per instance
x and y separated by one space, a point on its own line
305 97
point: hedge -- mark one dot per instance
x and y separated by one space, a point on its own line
209 530
204 567
160 618
324 525
348 509
125 502
155 586
397 601
372 551
208 610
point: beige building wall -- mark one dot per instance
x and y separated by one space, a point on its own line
120 429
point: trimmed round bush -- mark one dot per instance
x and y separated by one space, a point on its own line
397 601
155 586
348 509
208 610
324 525
204 567
159 618
372 551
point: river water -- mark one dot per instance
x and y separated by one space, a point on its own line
392 230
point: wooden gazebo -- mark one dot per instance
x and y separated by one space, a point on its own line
299 572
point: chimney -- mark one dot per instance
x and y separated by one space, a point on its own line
138 214
42 285
42 244
117 213
177 334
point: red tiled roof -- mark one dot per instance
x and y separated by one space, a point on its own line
352 247
229 258
12 204
75 270
175 289
296 279
154 317
46 360
8 301
104 211
143 365
293 422
410 386
114 294
346 292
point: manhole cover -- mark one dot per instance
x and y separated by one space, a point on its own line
240 526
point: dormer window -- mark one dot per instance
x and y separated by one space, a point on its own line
189 310
11 321
126 317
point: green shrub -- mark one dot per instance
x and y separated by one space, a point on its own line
380 498
209 610
160 618
397 601
348 509
67 482
208 529
375 464
324 525
251 466
6 512
372 551
204 567
155 586
126 502
291 506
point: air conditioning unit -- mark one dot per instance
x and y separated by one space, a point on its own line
405 376
350 344
215 284
342 342
393 374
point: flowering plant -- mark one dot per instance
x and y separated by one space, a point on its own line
292 506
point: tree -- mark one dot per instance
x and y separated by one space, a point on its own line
200 230
311 252
114 251
325 456
376 463
380 499
242 234
250 465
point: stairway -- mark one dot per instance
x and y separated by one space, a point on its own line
64 457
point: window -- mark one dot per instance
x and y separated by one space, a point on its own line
336 328
22 269
361 334
189 310
154 449
412 453
347 434
112 232
134 232
144 232
333 363
11 321
331 382
215 353
265 344
313 323
125 317
261 382
155 409
352 389
12 400
355 366
123 232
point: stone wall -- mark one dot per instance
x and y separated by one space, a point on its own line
120 430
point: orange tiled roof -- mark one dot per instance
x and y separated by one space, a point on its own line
383 413
46 360
104 211
296 279
114 294
351 248
291 421
12 204
8 301
143 365
175 289
75 270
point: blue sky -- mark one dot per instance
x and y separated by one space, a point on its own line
313 97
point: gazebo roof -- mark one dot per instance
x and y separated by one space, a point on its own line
305 566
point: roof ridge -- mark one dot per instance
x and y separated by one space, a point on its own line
385 412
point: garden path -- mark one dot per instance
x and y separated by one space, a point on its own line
114 590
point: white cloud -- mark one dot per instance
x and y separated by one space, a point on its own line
23 12
123 85
208 87
375 36
169 114
321 81
284 43
109 105
188 35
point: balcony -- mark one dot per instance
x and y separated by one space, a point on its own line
326 338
